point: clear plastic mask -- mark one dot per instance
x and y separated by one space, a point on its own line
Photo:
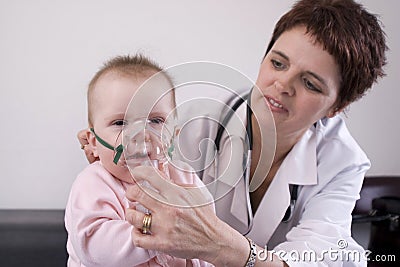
146 142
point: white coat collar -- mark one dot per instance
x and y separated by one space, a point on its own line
299 167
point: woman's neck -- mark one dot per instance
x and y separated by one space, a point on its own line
284 143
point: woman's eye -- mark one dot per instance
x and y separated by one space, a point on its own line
277 64
119 123
309 85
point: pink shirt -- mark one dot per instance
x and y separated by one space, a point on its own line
98 233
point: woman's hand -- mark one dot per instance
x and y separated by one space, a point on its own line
83 140
183 221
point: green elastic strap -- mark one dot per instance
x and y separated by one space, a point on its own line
117 149
118 153
170 151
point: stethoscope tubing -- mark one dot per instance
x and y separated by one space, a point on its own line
249 139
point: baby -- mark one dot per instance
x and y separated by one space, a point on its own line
98 233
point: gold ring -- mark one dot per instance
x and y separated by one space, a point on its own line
146 224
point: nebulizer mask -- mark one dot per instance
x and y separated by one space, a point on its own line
144 142
147 142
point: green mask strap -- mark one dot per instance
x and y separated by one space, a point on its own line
118 150
170 151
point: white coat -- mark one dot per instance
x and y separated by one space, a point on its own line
329 167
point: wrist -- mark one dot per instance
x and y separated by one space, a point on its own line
232 248
251 259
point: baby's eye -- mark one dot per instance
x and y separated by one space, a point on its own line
157 120
119 123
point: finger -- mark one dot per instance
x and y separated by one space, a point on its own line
82 137
145 196
152 176
182 175
144 241
197 194
169 193
151 241
135 218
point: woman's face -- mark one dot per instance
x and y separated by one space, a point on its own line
299 81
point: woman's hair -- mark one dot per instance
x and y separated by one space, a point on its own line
135 65
348 32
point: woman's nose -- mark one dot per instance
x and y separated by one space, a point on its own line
284 87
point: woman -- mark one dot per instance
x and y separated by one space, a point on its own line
323 56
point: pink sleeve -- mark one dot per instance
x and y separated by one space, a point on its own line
95 220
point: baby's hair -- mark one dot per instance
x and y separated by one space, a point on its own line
132 65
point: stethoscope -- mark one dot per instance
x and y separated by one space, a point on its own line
249 139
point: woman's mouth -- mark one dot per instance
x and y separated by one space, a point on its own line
275 105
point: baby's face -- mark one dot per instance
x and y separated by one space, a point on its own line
110 100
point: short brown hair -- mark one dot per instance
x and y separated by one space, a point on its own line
353 36
137 64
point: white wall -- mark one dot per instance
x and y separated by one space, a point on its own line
49 50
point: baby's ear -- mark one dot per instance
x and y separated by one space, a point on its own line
92 142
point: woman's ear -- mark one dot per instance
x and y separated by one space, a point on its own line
92 142
335 110
332 113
